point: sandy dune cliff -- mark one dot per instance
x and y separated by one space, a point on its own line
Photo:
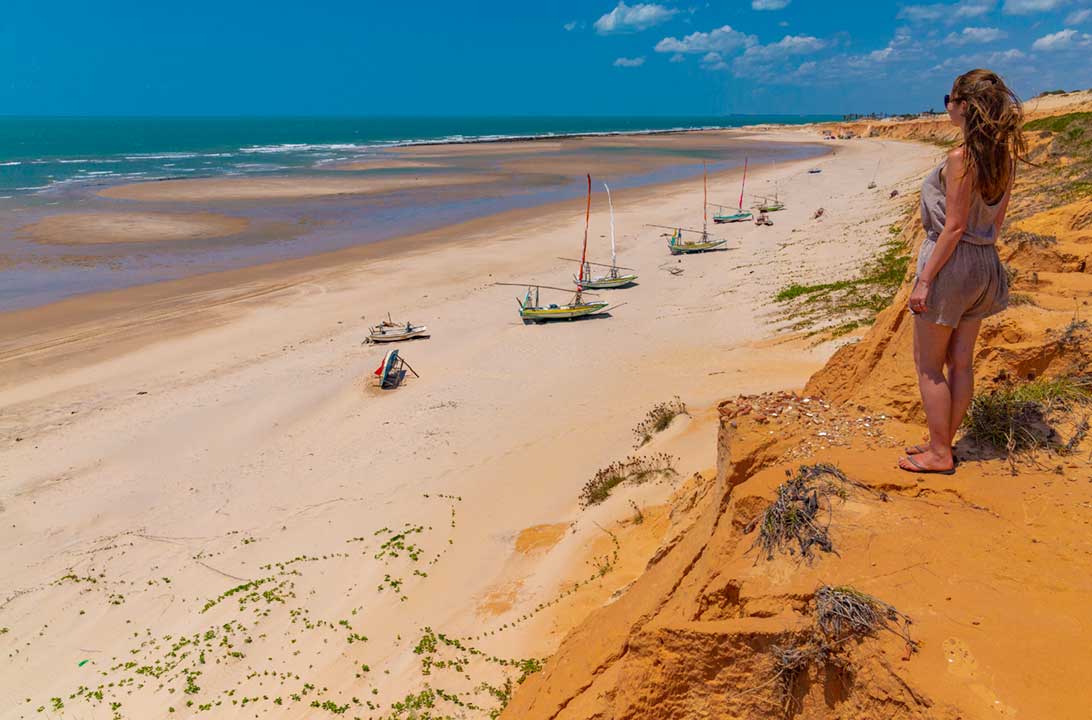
992 566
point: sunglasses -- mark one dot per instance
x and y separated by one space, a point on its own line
948 99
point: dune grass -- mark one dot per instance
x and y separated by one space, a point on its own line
1017 418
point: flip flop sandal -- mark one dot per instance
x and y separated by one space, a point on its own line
924 471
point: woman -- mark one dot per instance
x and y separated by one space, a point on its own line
960 279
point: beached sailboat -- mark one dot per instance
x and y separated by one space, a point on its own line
726 216
767 205
532 309
675 242
392 370
615 276
390 331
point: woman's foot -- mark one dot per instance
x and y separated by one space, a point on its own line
923 448
928 462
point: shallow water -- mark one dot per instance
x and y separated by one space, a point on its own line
33 274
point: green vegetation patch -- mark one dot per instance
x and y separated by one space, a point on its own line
841 306
1018 418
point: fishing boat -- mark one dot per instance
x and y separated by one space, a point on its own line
531 308
678 246
614 276
392 370
726 216
767 205
390 331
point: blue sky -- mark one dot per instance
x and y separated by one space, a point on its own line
559 58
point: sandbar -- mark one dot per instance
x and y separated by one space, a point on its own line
121 227
280 188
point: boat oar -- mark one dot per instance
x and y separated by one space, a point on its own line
410 367
534 285
599 264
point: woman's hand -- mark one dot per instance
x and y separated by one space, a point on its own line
918 296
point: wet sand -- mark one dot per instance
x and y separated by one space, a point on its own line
280 188
105 228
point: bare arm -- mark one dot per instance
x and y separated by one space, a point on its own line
958 207
1001 215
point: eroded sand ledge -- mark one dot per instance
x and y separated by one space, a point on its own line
121 227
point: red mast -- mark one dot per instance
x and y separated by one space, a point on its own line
743 185
587 220
704 196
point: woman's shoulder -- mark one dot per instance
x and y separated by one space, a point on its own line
955 157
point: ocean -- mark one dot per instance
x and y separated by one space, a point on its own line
56 169
40 155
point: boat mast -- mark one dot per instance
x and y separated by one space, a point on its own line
704 200
613 250
743 185
584 253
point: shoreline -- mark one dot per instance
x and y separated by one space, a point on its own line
215 290
247 434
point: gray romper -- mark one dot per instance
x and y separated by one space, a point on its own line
972 285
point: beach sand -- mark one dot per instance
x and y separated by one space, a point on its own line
283 188
163 445
120 227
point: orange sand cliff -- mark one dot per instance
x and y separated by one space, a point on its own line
993 565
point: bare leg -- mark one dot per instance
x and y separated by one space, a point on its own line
930 351
961 371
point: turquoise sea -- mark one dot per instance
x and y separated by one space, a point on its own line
43 154
58 166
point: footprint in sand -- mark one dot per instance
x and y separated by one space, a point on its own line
962 664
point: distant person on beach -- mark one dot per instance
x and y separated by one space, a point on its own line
960 279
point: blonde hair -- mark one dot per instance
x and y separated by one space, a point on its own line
993 137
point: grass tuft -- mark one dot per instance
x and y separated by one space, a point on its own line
658 419
1016 418
632 470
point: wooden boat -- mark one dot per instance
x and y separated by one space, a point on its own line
392 370
766 205
389 331
530 307
614 277
724 216
678 246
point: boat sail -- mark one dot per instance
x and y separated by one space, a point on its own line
721 216
613 278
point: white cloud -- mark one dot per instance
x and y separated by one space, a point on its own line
713 61
677 58
1063 40
764 62
1026 7
769 4
995 60
947 13
975 35
573 25
625 62
626 18
1078 16
723 39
